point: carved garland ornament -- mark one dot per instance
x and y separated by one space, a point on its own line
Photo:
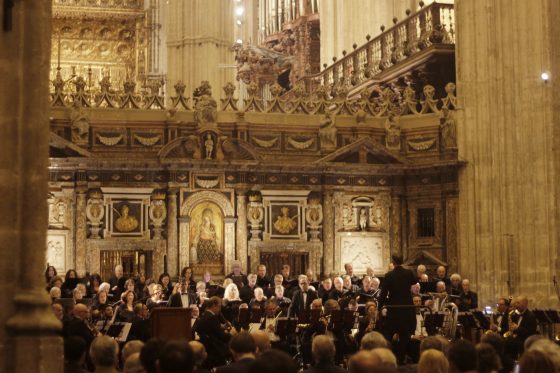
147 141
265 143
109 141
420 144
207 183
301 145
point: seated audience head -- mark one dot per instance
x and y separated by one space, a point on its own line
488 360
462 356
131 347
386 356
262 341
535 362
199 353
496 341
549 348
242 345
364 362
75 349
431 343
323 349
274 361
432 361
104 352
133 364
373 340
530 340
176 357
150 354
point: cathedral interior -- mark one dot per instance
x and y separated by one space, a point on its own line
161 134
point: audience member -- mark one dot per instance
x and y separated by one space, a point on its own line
176 357
432 361
274 361
74 355
462 357
104 352
243 350
323 352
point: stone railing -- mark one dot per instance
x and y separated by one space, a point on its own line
375 102
112 4
431 25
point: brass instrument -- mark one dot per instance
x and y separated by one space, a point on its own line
510 334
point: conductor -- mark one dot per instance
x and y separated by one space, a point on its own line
401 321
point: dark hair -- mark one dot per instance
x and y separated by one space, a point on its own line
176 357
213 301
273 361
47 278
462 355
495 340
431 342
68 274
535 362
243 343
150 353
94 277
488 359
74 348
184 272
397 259
164 274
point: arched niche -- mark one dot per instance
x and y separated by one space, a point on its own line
197 203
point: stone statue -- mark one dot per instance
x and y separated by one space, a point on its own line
125 222
328 131
209 146
206 107
392 132
285 224
448 129
363 219
79 120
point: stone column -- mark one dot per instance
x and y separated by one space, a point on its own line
328 233
28 340
395 225
81 231
241 250
172 235
508 134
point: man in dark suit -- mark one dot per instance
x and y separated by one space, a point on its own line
182 298
524 323
236 275
395 291
78 327
213 336
500 323
263 280
246 293
243 350
302 298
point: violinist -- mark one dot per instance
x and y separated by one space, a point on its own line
272 311
213 335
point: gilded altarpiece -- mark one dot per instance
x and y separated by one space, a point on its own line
207 231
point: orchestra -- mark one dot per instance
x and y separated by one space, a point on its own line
292 312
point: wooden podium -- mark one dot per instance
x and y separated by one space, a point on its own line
171 323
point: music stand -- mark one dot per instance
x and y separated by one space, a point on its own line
428 287
483 321
243 316
467 320
256 315
285 327
119 331
553 316
542 317
433 322
171 323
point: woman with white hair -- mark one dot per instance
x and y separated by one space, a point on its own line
231 302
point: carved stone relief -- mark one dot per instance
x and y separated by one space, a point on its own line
314 218
157 214
95 210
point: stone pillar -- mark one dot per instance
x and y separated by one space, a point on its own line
81 231
328 232
198 32
241 250
508 134
28 340
396 247
172 235
229 242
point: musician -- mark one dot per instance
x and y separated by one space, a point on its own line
278 280
285 272
126 310
270 320
349 268
130 285
117 282
308 332
213 335
182 298
500 319
325 289
455 286
259 299
79 326
303 297
231 302
368 323
281 301
69 284
348 285
440 297
468 300
401 322
236 275
93 285
419 332
338 291
312 279
441 275
187 274
165 282
367 293
524 322
421 270
50 273
156 298
336 330
207 279
141 328
246 293
263 281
